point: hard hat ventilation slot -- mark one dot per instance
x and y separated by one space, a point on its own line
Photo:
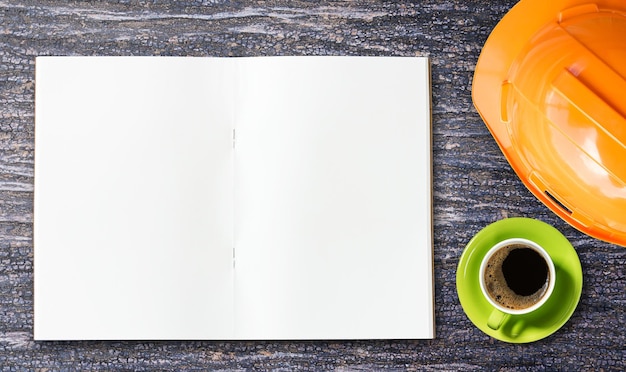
558 202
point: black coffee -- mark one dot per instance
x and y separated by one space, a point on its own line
525 271
516 276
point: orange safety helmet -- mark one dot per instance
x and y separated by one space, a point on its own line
550 85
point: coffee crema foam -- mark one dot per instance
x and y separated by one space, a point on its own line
497 287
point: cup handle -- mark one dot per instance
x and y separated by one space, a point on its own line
496 319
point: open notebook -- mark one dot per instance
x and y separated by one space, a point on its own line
232 198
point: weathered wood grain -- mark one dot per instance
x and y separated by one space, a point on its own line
473 184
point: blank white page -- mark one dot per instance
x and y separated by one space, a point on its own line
333 195
133 198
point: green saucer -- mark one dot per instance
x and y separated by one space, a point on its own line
539 323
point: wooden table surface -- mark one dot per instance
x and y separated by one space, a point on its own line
473 183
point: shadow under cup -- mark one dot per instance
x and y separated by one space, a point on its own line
517 277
